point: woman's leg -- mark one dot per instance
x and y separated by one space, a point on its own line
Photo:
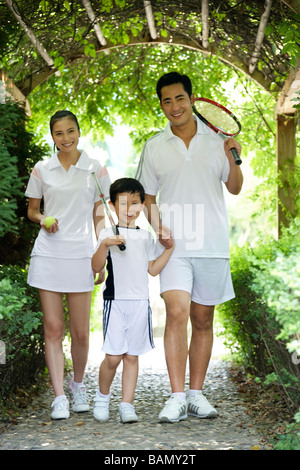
52 308
79 304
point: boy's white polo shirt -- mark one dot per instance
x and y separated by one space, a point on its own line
69 196
128 270
188 183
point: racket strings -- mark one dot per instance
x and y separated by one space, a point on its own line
218 117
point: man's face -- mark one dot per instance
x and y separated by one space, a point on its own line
176 104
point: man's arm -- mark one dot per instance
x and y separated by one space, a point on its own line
235 180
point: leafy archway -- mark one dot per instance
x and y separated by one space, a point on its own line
50 43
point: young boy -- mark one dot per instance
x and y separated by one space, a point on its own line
126 311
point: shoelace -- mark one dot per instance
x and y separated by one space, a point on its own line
79 396
59 405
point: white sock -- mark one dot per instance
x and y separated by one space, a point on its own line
193 392
102 394
75 385
180 395
59 398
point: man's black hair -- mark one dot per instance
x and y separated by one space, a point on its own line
170 79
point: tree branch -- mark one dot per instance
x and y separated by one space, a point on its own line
40 48
150 19
100 36
260 36
205 28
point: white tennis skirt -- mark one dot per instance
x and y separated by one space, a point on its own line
61 275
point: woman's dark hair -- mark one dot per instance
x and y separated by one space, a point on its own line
126 185
170 79
62 114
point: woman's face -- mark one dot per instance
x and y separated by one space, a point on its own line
65 134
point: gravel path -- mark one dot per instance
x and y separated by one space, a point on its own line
231 430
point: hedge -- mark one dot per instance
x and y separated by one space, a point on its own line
21 332
261 325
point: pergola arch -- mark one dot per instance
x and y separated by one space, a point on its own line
232 30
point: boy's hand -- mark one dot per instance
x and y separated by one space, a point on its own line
114 241
165 236
100 278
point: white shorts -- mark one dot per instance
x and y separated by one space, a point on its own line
208 280
127 327
61 275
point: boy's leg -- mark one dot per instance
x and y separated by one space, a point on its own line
129 377
107 372
129 380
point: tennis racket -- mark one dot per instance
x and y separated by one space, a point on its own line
220 120
122 247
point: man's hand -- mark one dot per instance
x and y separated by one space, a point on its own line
229 144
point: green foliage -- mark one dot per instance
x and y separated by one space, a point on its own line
20 329
10 183
18 154
291 439
119 87
261 325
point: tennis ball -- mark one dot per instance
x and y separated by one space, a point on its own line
49 221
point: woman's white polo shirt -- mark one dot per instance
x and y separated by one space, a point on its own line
69 196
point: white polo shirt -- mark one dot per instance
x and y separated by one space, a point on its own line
69 196
189 186
128 270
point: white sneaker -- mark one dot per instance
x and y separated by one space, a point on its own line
60 408
78 398
199 406
101 408
127 413
174 410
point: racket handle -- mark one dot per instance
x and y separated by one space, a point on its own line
234 152
121 247
237 158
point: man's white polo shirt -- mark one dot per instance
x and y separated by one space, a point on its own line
188 183
69 196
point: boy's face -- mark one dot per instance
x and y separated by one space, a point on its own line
128 207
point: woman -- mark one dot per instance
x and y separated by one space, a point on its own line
61 256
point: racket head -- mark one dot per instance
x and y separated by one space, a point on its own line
217 117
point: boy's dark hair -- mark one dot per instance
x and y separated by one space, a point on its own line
60 115
126 185
170 79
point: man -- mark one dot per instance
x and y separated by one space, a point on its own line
187 164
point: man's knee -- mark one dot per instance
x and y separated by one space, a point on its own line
177 307
202 317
